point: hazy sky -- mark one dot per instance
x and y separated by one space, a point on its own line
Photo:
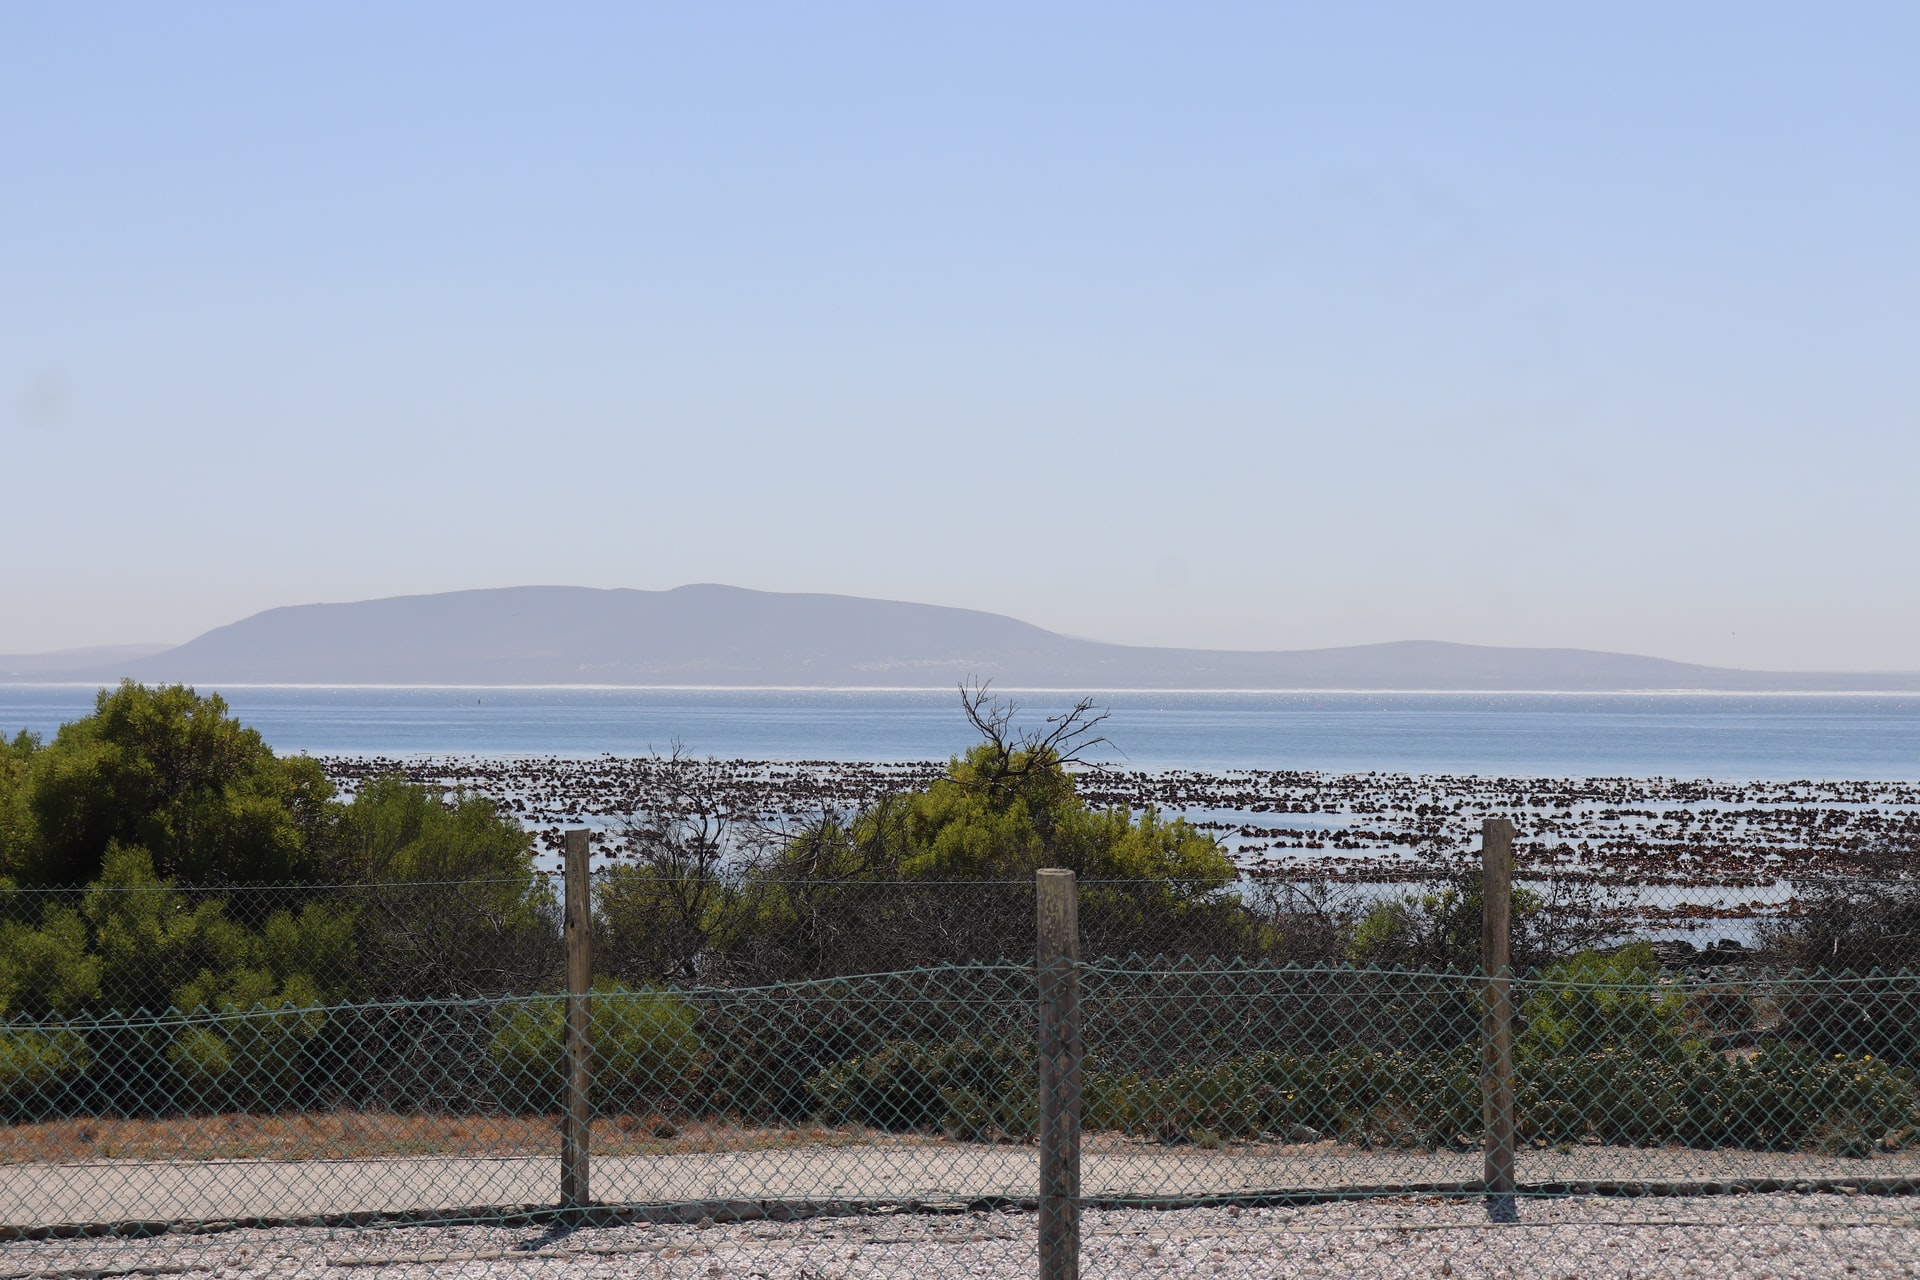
1257 326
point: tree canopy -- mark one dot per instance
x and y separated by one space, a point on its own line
1001 813
168 771
877 887
171 773
1004 809
190 866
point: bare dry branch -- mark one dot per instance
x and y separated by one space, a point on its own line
1061 740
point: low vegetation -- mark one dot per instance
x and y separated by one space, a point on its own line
193 926
646 1049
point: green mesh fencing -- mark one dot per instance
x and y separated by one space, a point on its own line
1280 1077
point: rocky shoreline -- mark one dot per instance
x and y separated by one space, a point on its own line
1364 826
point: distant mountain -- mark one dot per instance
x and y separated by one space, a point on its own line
42 666
727 636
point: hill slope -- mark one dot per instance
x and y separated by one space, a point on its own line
717 635
51 665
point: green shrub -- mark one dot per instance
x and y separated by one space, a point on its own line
1724 1006
168 770
1777 1100
1006 807
969 1089
1599 1002
1850 942
1230 1100
1610 1096
250 1051
767 1046
1370 1098
1792 1099
1780 1099
645 1047
46 970
1853 1015
35 1064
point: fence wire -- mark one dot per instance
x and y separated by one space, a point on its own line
1281 1077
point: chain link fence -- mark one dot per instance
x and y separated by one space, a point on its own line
1286 1075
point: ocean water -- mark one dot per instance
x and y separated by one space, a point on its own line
1727 736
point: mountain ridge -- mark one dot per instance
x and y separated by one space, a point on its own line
15 665
708 634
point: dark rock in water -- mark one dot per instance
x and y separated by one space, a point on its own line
1673 952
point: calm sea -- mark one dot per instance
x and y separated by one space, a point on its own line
1643 735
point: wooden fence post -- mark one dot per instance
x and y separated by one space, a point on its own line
576 1115
1496 961
1062 1047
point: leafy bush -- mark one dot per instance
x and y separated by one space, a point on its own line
969 1089
1845 939
46 970
1721 1006
1852 1015
166 769
1370 1098
1433 930
161 787
249 1053
456 908
18 834
1437 928
645 1047
657 922
1158 1016
36 1064
1005 808
1776 1100
1852 924
1779 1099
158 947
1595 1002
768 1044
787 929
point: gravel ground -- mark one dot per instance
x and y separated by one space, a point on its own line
172 1191
1751 1236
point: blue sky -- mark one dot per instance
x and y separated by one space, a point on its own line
1258 326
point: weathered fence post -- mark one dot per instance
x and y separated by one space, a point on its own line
1496 961
576 1113
1062 1047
